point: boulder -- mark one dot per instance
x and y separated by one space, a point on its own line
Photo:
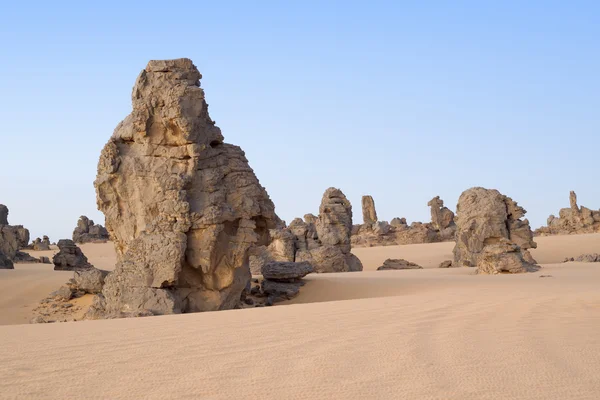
182 206
277 291
446 264
368 210
286 271
69 257
490 235
87 231
395 263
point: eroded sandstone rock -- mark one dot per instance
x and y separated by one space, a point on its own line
12 239
368 210
69 257
490 234
182 207
87 231
395 263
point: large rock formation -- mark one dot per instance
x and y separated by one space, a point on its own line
87 231
333 230
40 244
490 234
12 238
69 257
368 210
572 220
182 207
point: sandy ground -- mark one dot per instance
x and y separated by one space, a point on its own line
414 334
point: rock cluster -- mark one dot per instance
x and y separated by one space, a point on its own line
69 257
398 231
322 241
572 220
87 231
393 263
490 233
25 258
40 244
12 239
182 207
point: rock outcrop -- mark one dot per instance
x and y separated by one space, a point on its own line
69 257
368 210
281 281
25 258
572 220
87 231
395 263
182 206
490 233
12 239
333 230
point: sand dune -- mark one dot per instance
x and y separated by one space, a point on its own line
415 334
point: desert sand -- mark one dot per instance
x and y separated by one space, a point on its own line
418 334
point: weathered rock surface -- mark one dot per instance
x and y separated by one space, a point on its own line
69 257
182 207
89 280
572 220
368 210
87 231
490 234
286 271
395 263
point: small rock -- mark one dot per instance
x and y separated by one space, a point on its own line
393 264
446 264
249 301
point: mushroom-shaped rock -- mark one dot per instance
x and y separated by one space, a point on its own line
286 271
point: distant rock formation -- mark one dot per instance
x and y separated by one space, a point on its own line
394 264
592 257
40 244
323 241
382 233
87 231
490 234
12 239
572 220
182 207
368 210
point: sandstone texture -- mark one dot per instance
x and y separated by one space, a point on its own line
490 233
572 220
87 231
393 263
182 206
69 257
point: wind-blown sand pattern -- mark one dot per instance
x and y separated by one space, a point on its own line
426 334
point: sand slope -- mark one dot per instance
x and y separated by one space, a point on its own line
415 334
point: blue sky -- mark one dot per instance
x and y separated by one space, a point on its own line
400 100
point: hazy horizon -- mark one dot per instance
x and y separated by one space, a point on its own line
401 102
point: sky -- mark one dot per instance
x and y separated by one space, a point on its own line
402 100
